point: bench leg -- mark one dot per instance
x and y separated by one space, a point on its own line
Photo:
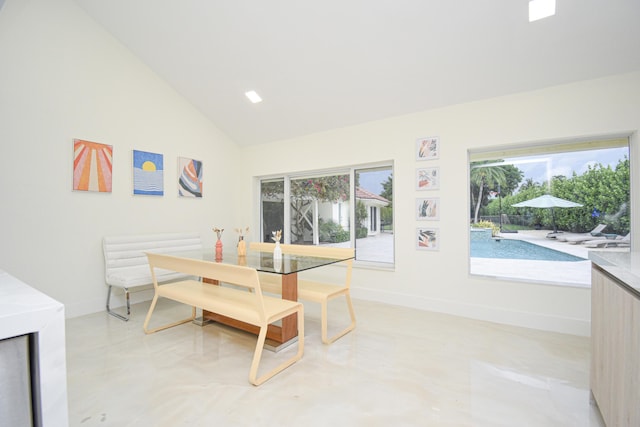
349 328
253 372
113 313
170 325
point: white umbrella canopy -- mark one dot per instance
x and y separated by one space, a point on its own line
548 201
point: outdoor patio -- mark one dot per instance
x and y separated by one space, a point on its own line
376 248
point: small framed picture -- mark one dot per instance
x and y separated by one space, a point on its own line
428 178
189 177
428 208
427 239
427 148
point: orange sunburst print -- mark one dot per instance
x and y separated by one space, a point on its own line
92 166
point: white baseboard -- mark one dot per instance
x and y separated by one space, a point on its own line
538 321
118 302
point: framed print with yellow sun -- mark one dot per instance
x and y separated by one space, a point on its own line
148 173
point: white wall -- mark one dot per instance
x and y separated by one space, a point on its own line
63 77
439 280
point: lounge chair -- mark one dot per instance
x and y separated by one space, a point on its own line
583 237
618 242
554 234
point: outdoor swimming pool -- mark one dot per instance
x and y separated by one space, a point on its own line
483 246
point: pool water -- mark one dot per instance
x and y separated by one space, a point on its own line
483 246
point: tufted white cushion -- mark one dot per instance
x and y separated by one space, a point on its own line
125 261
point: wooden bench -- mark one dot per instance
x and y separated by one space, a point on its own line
126 264
244 302
309 290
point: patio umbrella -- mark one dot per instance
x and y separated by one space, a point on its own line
550 202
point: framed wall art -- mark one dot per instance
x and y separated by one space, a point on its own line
148 173
428 148
428 239
92 166
428 178
428 208
189 177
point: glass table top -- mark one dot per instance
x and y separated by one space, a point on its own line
263 261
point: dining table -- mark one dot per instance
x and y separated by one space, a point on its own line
287 266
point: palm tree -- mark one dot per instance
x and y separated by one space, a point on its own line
484 175
529 183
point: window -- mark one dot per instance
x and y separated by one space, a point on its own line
271 207
511 232
349 207
373 218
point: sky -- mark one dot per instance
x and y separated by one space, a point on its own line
539 168
372 181
542 168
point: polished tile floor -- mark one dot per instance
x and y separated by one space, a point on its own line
400 367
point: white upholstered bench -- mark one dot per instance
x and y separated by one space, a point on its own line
126 265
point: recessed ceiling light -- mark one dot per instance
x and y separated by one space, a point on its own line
539 9
253 96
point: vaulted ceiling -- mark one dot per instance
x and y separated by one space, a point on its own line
334 63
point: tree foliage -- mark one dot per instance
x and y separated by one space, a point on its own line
603 191
386 212
324 188
304 192
486 176
387 188
361 215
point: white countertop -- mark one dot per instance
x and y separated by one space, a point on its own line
19 301
625 266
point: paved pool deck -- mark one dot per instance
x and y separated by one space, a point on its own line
576 273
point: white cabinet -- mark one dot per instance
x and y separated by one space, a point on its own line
615 349
16 407
24 311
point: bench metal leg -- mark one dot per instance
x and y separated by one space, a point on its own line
113 313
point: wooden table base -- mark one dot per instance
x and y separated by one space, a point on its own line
279 336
